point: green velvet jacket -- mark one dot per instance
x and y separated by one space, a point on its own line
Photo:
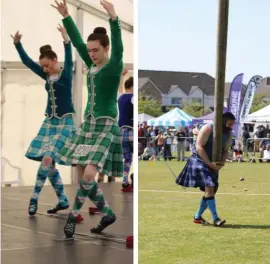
103 84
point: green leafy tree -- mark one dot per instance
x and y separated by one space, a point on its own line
151 107
166 109
260 101
194 109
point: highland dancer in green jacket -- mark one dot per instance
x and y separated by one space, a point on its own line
58 124
96 147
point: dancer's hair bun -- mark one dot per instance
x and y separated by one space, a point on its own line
45 48
100 30
99 34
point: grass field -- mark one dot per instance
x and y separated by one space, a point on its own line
167 234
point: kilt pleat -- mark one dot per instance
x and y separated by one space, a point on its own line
127 142
197 174
97 142
51 137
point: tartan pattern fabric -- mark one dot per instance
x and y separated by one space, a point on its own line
42 175
58 187
51 137
97 142
97 197
127 142
127 145
197 174
83 190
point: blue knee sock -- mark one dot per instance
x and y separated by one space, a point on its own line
211 203
202 208
58 186
42 175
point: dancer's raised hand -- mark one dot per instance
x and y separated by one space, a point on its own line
17 37
109 8
125 71
61 8
63 31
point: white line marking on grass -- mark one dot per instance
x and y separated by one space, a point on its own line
244 194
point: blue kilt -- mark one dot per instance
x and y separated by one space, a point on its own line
197 174
51 138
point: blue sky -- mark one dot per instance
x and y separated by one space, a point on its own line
181 36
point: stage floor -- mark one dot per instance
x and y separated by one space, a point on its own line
38 240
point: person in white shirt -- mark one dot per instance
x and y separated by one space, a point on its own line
238 153
263 144
266 154
149 153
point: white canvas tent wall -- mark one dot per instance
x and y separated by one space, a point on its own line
176 118
22 93
262 116
144 117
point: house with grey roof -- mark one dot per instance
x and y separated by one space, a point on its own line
177 88
182 88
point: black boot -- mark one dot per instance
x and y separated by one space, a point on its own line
125 185
111 179
70 226
57 208
105 222
33 206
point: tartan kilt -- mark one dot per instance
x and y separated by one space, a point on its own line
127 142
197 174
96 142
51 137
